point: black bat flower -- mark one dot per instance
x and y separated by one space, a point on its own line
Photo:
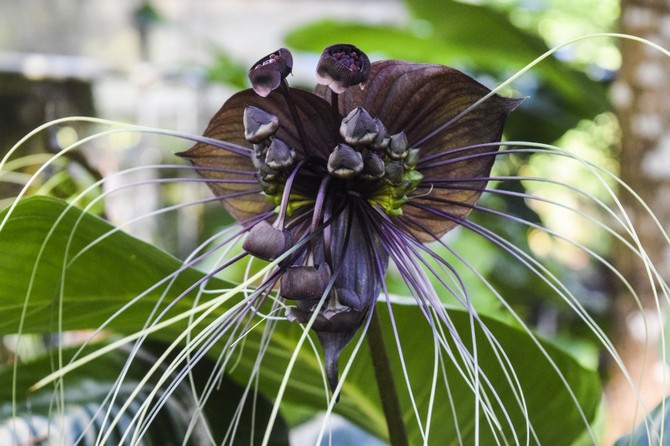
380 157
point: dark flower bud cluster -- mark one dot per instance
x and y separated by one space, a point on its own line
384 164
272 157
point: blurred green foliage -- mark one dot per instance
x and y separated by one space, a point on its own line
224 69
485 43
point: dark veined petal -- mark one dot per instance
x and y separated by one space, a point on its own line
357 251
320 129
423 101
359 262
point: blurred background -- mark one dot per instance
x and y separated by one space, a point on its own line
171 64
166 63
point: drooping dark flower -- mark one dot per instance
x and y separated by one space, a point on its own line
346 177
268 73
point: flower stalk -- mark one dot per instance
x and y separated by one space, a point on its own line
385 383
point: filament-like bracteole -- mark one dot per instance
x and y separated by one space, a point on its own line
188 263
421 291
52 160
167 393
545 277
434 304
597 171
293 359
625 225
126 128
206 309
510 246
340 385
213 337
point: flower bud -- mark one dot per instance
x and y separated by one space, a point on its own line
373 167
334 335
412 158
279 155
394 172
346 320
345 162
382 140
294 314
259 125
268 73
342 66
397 148
263 171
266 242
305 282
358 127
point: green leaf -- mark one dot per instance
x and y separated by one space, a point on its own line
82 398
104 274
56 261
553 414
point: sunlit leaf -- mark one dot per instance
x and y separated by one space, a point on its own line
105 269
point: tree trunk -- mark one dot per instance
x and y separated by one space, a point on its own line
642 98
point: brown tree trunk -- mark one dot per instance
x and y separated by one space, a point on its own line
642 98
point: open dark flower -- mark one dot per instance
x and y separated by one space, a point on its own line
342 66
349 177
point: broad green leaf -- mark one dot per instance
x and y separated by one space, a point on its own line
55 259
103 274
80 399
552 413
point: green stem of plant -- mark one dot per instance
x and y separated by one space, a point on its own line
385 383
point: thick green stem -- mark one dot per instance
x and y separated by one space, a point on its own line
385 383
